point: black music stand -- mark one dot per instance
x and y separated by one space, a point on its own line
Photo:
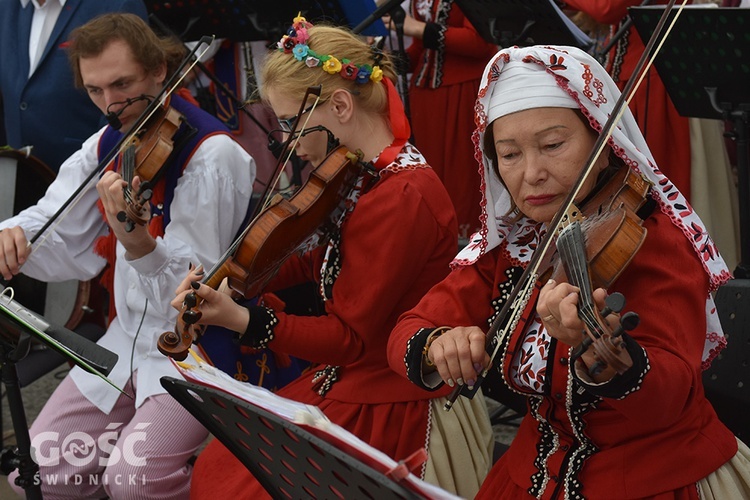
243 21
288 461
522 22
727 381
704 67
18 326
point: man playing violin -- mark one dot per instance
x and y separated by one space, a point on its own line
645 430
198 204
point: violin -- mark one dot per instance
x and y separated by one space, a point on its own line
145 155
265 244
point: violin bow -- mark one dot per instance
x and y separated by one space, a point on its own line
521 293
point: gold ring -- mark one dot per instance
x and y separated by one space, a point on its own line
548 318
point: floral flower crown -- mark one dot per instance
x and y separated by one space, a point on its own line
295 43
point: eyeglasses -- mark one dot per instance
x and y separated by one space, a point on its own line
286 124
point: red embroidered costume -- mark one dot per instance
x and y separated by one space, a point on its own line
393 246
649 432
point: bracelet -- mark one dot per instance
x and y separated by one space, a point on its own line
434 335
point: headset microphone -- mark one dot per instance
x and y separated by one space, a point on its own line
113 118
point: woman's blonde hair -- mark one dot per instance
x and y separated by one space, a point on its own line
283 73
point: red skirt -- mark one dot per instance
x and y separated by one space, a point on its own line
500 485
397 429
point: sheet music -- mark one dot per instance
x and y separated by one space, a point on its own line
17 316
308 416
19 311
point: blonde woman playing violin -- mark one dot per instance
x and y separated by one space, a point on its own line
645 430
393 242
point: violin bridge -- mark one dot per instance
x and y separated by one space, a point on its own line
572 214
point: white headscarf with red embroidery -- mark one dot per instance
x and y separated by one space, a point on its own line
517 79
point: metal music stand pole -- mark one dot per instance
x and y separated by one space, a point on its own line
18 457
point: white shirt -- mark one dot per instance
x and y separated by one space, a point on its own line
42 23
209 205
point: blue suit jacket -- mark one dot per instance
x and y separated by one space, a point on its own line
46 111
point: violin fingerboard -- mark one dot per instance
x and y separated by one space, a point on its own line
128 164
572 249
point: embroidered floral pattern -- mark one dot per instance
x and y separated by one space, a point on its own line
529 367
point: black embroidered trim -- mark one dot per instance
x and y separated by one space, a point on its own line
333 266
546 445
442 21
260 328
579 403
433 33
325 378
513 274
620 50
621 385
413 357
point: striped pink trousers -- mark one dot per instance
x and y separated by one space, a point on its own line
132 453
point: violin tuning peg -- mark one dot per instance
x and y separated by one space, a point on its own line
190 300
191 316
129 226
629 321
147 194
122 216
613 303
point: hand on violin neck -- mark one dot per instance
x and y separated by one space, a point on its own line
214 307
558 308
136 239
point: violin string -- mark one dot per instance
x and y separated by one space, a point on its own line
573 252
296 139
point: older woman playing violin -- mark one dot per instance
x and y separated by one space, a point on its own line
646 431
